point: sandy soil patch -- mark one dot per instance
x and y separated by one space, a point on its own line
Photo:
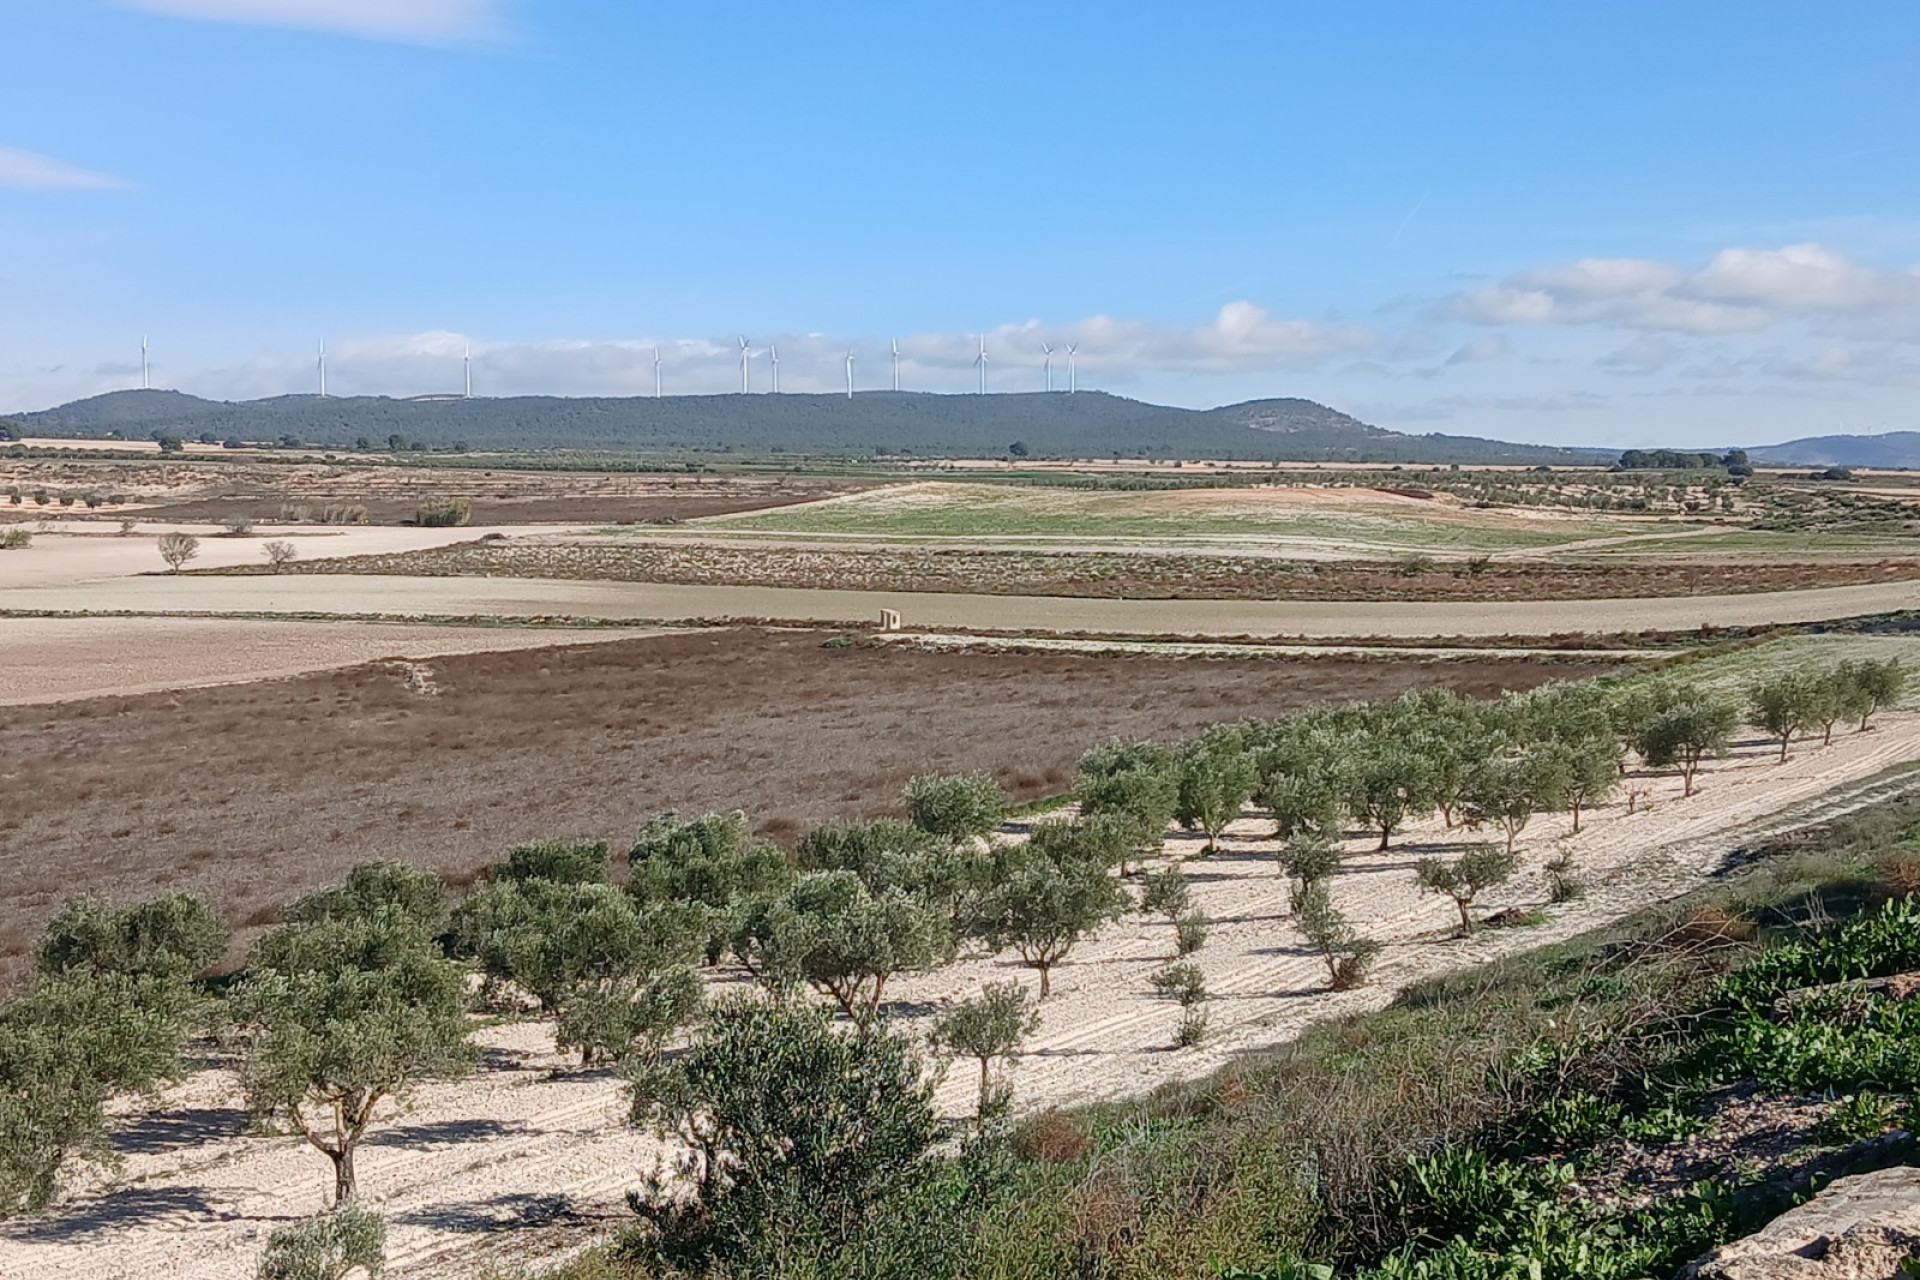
523 597
519 1148
61 659
77 554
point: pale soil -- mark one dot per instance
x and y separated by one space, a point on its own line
79 553
521 598
61 659
196 1195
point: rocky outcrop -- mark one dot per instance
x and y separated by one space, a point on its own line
1859 1228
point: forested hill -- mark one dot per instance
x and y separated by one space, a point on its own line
1089 424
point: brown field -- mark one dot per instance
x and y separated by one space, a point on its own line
1105 575
189 491
253 794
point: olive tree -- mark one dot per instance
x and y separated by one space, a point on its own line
847 942
341 1015
556 861
1588 771
988 1028
1508 790
715 861
1041 907
966 806
1132 783
1684 734
1386 783
1213 780
1328 931
941 873
1306 861
68 1043
1870 687
1466 877
173 936
414 897
800 1144
1784 705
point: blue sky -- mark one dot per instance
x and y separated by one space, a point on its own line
1613 224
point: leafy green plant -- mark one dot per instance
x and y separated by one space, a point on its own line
1856 1117
328 1246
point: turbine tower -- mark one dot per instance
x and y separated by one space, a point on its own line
469 370
980 362
145 383
323 368
656 373
849 375
773 353
896 364
745 351
1071 383
1048 365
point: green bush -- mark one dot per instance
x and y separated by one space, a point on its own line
327 1246
961 807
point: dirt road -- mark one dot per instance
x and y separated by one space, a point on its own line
521 1162
529 597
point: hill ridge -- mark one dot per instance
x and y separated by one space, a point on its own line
925 424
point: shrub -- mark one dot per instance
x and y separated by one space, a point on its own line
961 807
1190 932
15 540
1347 956
1859 1116
238 526
1165 893
1180 982
280 553
175 936
442 513
1052 1137
327 1246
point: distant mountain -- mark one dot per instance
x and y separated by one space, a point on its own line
1888 449
1088 424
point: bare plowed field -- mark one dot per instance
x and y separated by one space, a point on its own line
523 1161
1107 575
252 794
61 659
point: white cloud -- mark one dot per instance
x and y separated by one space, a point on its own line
1648 353
424 21
1441 408
1738 290
1488 346
31 171
1241 338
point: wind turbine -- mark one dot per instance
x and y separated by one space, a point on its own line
773 353
745 351
1071 382
980 361
849 375
145 383
323 368
656 373
1048 365
896 364
469 371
